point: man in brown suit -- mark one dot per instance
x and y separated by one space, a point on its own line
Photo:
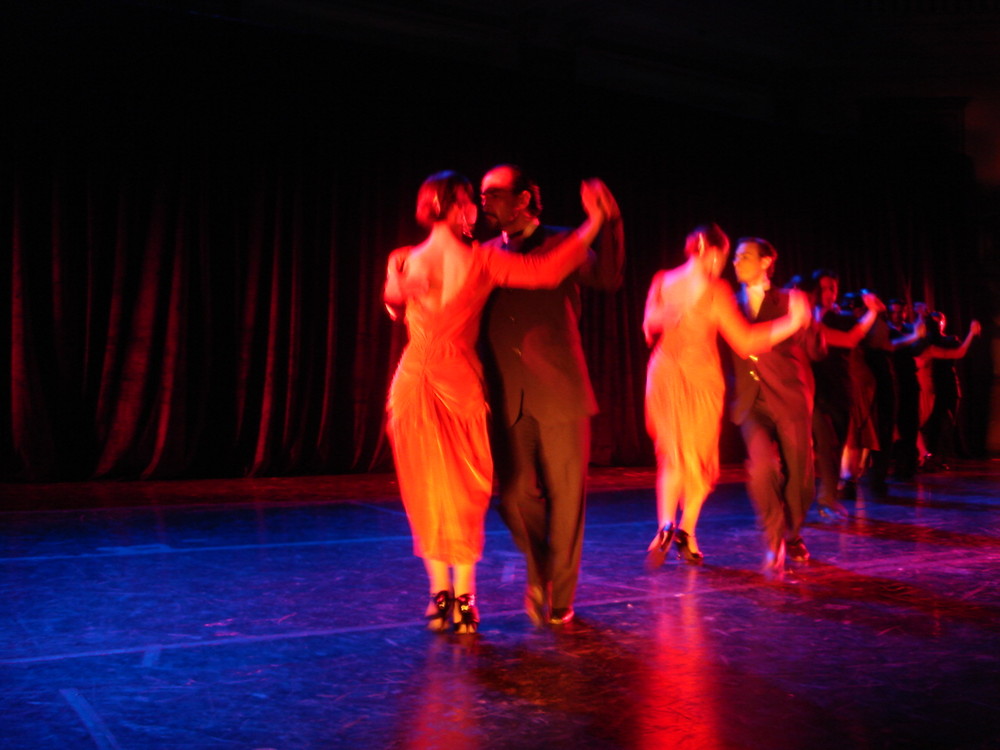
540 392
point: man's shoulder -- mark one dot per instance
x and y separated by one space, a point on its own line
544 234
777 293
839 320
774 305
946 342
548 232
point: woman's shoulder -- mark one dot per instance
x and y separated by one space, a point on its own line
658 277
720 288
719 295
419 254
668 277
400 254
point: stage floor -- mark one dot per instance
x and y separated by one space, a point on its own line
287 614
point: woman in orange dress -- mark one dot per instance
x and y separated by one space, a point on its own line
686 307
437 407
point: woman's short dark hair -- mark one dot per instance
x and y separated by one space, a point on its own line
711 234
438 194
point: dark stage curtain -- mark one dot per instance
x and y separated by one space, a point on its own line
196 223
168 321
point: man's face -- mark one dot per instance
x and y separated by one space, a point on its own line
896 315
749 266
827 292
502 207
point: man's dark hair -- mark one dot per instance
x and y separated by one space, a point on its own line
764 249
521 183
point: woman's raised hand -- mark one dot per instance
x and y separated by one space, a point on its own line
872 302
597 200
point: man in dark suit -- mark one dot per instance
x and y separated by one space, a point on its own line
908 387
836 390
540 392
773 404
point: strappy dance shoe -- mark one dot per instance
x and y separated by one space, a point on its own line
439 611
466 614
687 554
657 551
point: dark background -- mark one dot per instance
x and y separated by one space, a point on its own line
198 199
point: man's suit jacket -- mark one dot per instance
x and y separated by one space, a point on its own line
534 359
783 375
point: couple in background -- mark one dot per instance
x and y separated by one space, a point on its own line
772 340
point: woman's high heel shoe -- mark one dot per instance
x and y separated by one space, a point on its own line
657 551
439 611
466 614
683 540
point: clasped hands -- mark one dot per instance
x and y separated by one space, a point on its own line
598 202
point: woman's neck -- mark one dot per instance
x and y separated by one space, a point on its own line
695 268
443 237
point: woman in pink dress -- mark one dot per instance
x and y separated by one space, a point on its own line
686 307
437 412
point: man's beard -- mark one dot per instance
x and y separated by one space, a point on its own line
487 227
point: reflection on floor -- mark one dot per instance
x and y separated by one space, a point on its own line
288 614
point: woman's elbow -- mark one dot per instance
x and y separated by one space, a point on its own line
752 347
740 350
392 297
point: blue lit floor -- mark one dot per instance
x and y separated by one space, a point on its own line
287 614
